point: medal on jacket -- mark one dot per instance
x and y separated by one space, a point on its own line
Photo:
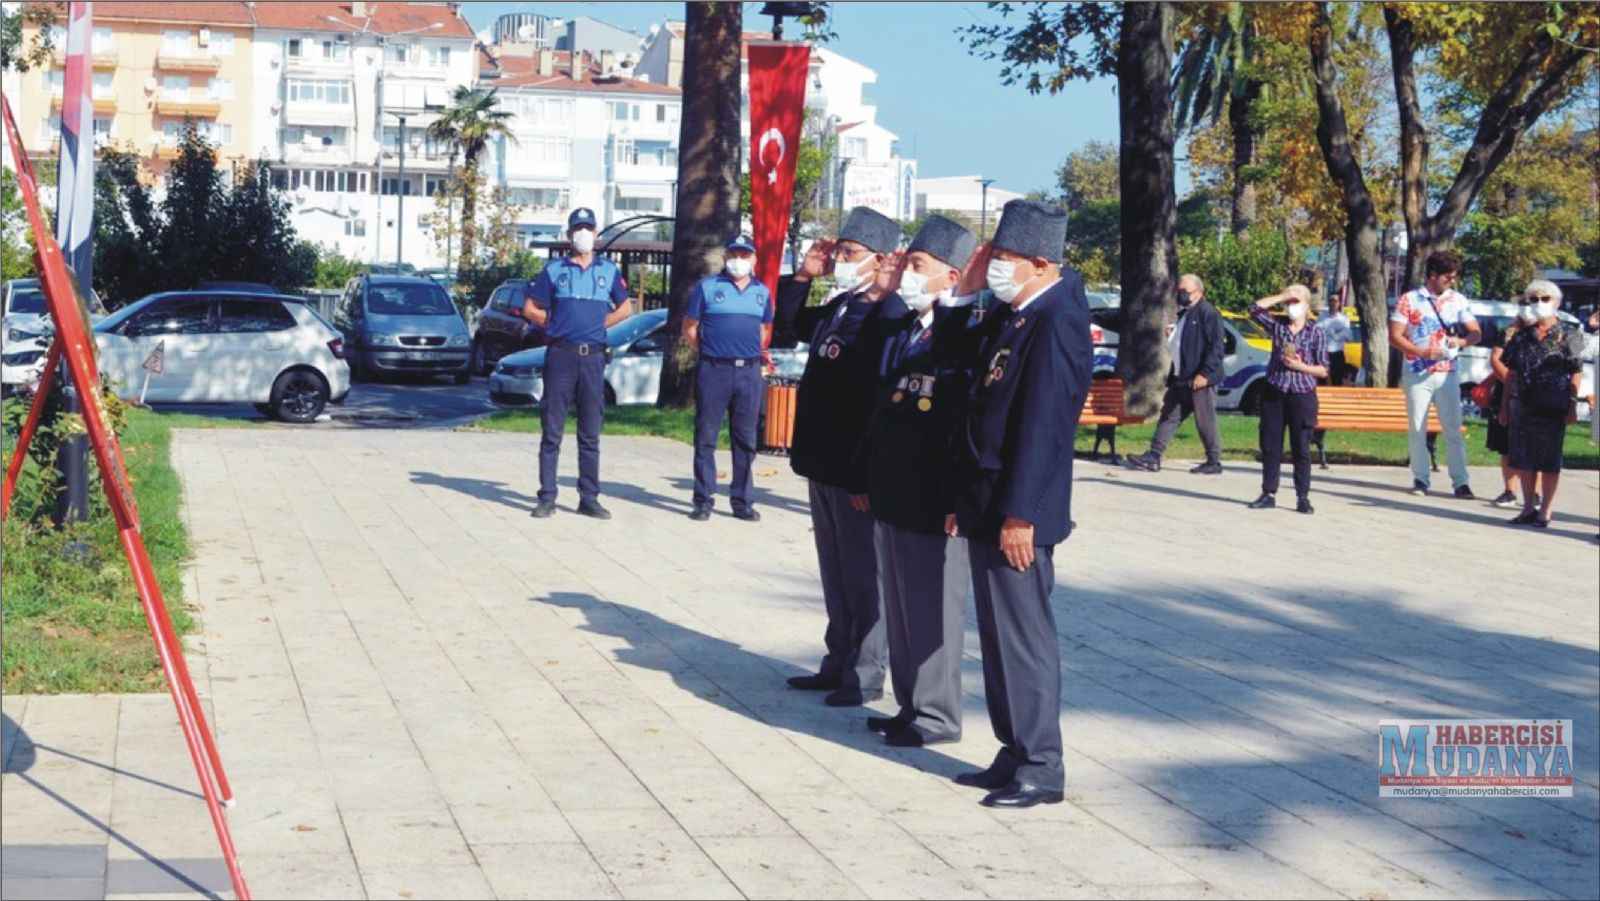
997 366
831 348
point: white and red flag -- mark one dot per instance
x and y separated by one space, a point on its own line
777 110
75 172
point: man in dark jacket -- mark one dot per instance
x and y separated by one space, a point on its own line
924 574
1014 492
832 406
1195 346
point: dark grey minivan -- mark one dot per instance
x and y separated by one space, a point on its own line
397 324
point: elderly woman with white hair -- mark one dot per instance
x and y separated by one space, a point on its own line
1544 363
1299 358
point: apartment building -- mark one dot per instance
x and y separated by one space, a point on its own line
155 65
582 135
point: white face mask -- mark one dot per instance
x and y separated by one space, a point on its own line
583 240
740 267
847 276
914 291
1528 314
1544 309
1297 312
999 277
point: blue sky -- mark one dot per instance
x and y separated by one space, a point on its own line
936 96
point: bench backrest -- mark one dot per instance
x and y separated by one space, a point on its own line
1377 409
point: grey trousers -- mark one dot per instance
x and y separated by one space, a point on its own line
924 580
855 639
1021 663
1179 402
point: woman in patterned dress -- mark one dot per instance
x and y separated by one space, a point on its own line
1544 364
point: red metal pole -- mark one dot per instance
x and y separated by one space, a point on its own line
188 717
47 381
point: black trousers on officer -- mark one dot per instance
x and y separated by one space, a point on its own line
924 580
721 387
1297 412
1021 663
855 639
568 379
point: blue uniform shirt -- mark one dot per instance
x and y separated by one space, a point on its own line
730 319
578 299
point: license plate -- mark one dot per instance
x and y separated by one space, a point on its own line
421 355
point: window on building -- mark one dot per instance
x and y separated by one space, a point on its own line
294 48
102 84
627 153
176 42
392 186
439 56
172 131
50 128
541 198
57 79
221 88
855 148
280 179
102 42
639 204
433 186
322 91
102 128
355 228
222 43
661 112
397 52
175 87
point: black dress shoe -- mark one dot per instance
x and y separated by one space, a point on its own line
903 737
593 508
1208 468
1143 462
814 682
1303 505
747 515
851 697
885 723
700 513
1018 795
1264 502
543 510
990 779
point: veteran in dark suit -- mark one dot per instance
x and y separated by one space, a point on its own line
1014 492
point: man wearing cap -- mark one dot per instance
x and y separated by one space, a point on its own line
575 299
923 574
728 319
832 404
1014 492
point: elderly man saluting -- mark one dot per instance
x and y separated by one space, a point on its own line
1014 492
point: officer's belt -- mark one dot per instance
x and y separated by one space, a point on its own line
732 361
582 350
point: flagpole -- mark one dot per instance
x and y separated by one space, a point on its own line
75 234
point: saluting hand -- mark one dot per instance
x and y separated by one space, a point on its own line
818 260
974 278
887 278
1016 542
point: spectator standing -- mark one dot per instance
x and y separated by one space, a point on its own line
1544 363
1430 325
1195 346
1299 358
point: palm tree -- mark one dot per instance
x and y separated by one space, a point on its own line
470 121
1213 71
707 204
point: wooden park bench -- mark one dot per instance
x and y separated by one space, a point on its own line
1104 410
1366 410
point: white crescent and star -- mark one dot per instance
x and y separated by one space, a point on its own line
772 134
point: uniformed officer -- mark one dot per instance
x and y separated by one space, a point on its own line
728 320
832 404
575 299
923 574
1014 493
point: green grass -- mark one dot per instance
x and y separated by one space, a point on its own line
1238 437
73 622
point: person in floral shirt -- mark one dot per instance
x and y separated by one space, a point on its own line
1431 325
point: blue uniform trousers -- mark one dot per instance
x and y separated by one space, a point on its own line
722 388
568 379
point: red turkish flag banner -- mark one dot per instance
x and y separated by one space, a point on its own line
777 109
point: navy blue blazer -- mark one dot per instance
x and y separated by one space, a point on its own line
1031 377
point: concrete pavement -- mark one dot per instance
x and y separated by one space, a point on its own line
422 692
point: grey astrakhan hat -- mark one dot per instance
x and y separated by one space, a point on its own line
1033 229
872 229
944 241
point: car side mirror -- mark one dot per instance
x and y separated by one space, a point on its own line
650 345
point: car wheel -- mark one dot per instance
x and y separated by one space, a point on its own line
1250 405
480 359
299 396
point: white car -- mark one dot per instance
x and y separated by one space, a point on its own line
26 332
1474 366
219 347
632 377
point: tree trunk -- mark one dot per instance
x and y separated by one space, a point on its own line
469 211
708 174
1149 220
1245 140
1361 233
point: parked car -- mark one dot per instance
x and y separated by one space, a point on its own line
218 347
402 324
239 288
501 327
1474 366
26 330
633 376
1245 353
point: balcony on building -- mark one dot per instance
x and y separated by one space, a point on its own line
188 106
101 58
103 103
187 62
316 145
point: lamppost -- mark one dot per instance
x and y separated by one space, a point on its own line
778 10
450 200
983 208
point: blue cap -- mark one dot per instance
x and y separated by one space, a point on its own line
581 216
740 242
